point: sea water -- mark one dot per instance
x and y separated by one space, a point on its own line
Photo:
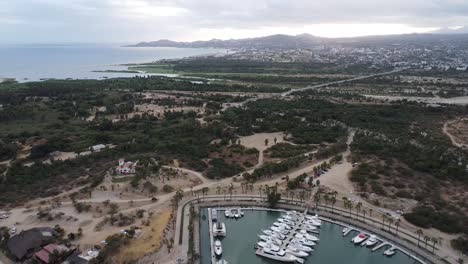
80 61
333 248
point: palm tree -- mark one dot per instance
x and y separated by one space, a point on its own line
344 199
218 189
384 218
260 189
333 202
364 212
419 232
390 222
358 209
231 188
205 191
426 239
317 198
434 240
242 187
397 224
370 212
350 207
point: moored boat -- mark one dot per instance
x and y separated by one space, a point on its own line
219 229
359 238
371 241
218 248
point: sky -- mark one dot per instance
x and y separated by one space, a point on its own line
128 21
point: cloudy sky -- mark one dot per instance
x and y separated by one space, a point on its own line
144 20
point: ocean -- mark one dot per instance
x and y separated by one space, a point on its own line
78 61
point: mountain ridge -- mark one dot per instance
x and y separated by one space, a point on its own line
302 41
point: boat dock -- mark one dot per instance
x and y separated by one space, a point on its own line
210 225
382 243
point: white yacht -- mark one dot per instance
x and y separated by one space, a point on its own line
227 214
219 229
274 234
309 227
270 239
241 212
279 230
296 252
303 241
359 238
301 247
389 252
279 256
307 236
371 241
312 223
235 213
268 245
218 248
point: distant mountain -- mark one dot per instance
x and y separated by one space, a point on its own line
309 41
273 41
461 30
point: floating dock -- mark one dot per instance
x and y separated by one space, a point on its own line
210 225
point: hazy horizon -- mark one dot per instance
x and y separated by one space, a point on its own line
125 21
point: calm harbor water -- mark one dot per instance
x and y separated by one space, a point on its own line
333 248
78 61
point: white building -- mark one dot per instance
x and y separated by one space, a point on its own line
126 167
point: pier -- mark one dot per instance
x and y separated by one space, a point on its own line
210 228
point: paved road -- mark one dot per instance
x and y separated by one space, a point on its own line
317 86
342 81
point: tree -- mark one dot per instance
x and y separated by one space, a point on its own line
364 212
231 188
266 141
384 218
273 196
419 232
350 207
333 202
390 222
358 208
434 241
113 208
397 225
426 239
205 191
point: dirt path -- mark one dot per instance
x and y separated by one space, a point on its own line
196 173
452 138
337 178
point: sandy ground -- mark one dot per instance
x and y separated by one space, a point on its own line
156 110
457 131
258 140
150 240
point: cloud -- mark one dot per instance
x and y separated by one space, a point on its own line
134 20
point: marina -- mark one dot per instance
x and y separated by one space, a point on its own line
243 234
